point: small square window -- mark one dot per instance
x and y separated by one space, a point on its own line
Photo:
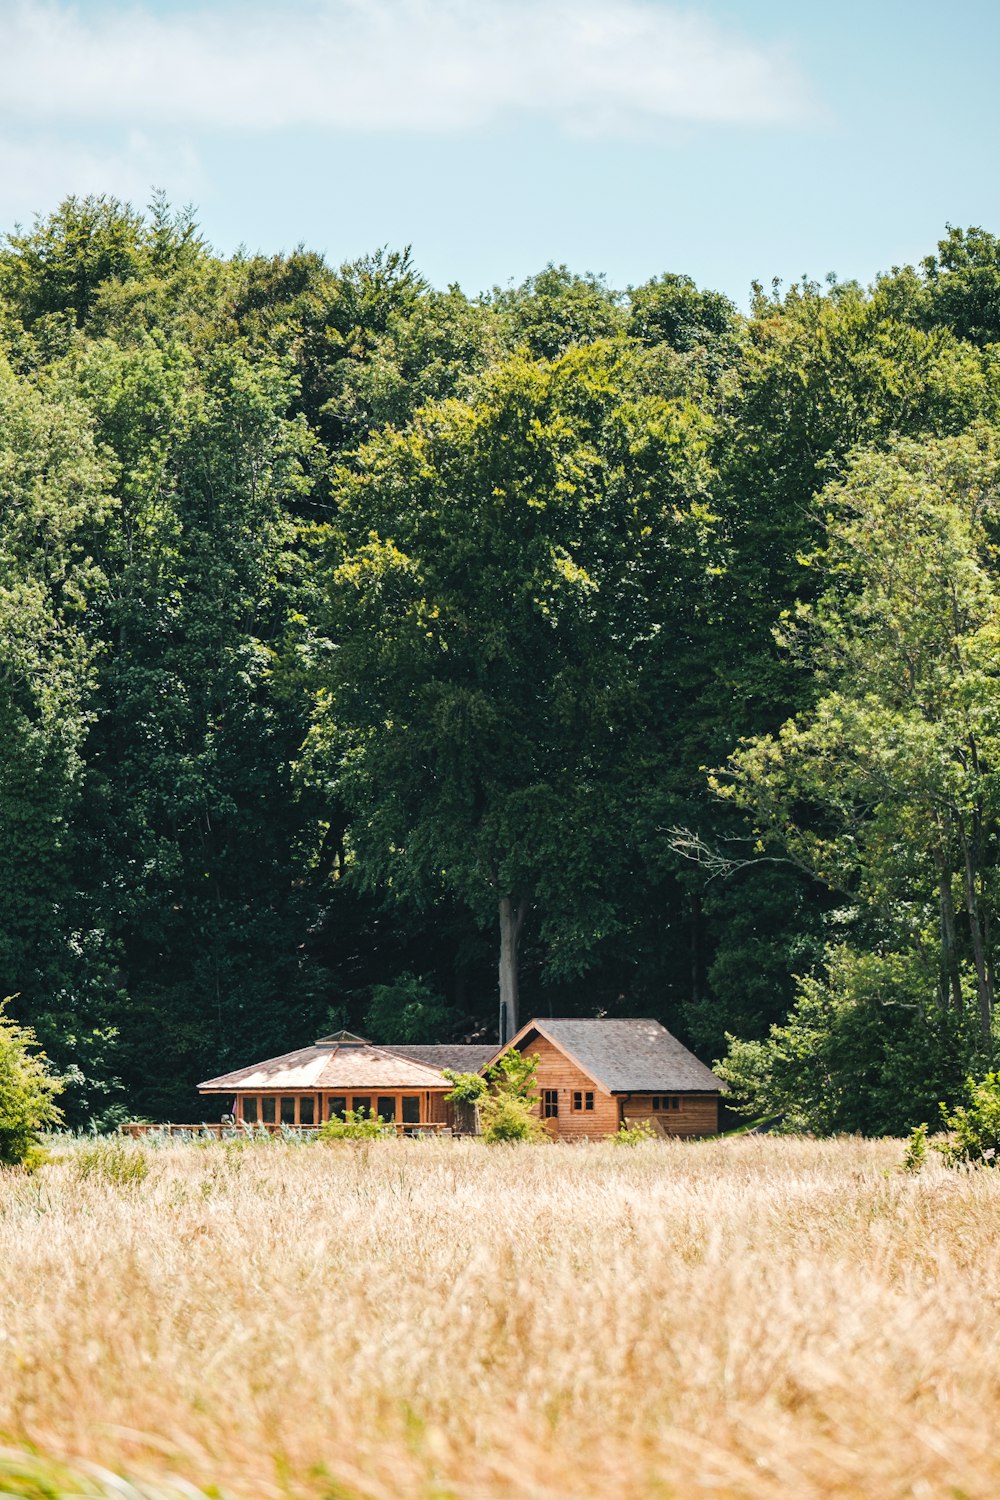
583 1099
550 1103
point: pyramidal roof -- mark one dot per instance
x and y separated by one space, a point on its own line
341 1061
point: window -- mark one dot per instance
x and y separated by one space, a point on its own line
362 1106
335 1106
386 1107
411 1109
550 1103
307 1110
665 1101
288 1111
583 1099
267 1109
250 1112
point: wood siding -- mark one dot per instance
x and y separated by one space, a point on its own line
557 1071
696 1114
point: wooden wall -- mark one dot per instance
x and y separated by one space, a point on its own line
556 1071
697 1114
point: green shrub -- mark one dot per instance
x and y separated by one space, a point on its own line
356 1126
915 1156
857 1054
974 1125
27 1095
119 1162
506 1117
633 1135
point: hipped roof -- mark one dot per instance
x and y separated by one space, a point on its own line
626 1056
335 1065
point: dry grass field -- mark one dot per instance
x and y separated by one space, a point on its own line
750 1317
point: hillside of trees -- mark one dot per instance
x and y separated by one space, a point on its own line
361 641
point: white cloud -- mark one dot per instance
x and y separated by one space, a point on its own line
606 66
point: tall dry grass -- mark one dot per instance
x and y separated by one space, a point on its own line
752 1317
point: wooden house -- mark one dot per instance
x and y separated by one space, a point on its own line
337 1073
595 1075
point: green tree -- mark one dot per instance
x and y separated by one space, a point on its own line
887 789
502 575
859 1052
555 309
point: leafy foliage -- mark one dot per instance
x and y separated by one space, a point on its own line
357 1125
28 1091
974 1125
345 621
635 1134
859 1051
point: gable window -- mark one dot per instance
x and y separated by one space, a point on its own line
583 1099
550 1103
665 1102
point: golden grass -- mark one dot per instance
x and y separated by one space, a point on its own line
751 1317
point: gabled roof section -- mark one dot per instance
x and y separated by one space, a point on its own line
337 1065
627 1056
460 1057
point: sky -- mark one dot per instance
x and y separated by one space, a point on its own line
732 140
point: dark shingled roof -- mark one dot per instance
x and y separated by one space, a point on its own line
630 1057
460 1057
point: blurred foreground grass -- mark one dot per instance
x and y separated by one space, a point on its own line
446 1321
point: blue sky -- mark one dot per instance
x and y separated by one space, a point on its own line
732 140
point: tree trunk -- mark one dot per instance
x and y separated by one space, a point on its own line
511 922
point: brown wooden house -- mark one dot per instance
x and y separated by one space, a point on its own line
595 1075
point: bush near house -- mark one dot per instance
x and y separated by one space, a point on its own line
27 1094
503 1097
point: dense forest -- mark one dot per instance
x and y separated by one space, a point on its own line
362 641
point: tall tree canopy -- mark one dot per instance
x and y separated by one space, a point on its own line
354 629
504 575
